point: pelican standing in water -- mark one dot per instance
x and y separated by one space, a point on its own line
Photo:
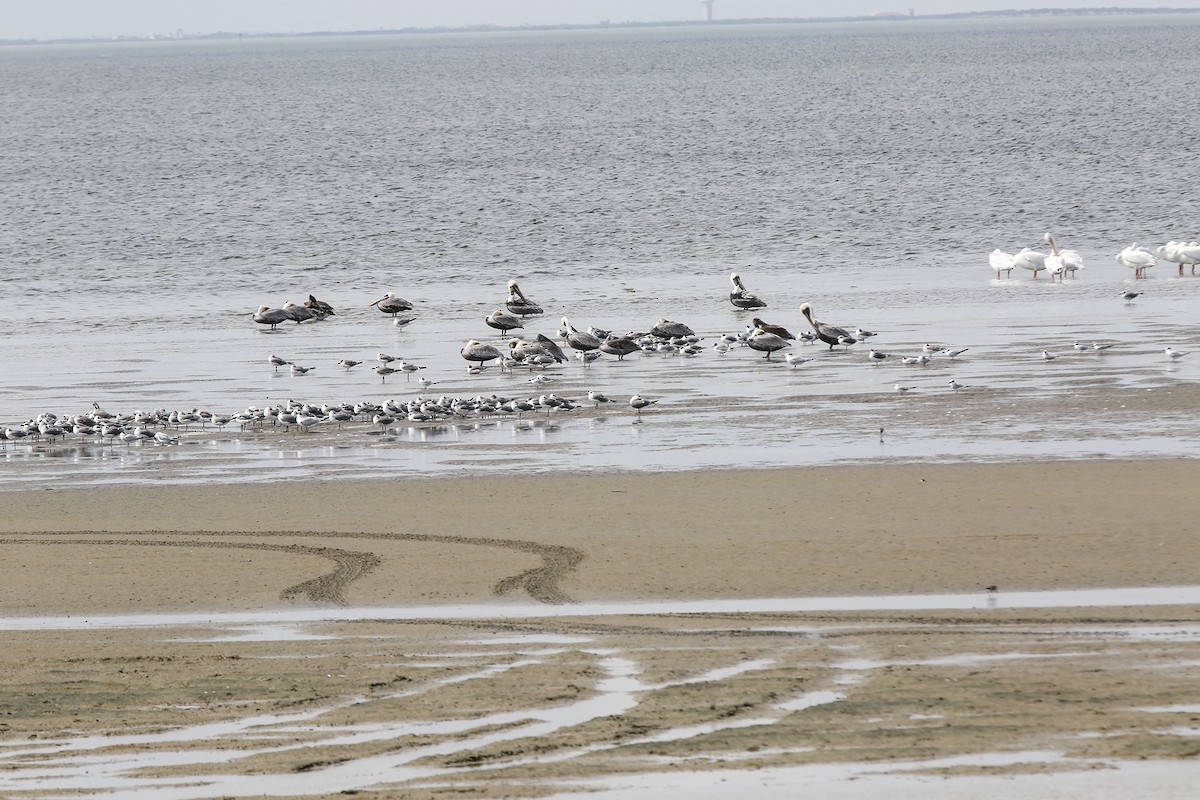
778 330
1001 262
518 303
270 316
479 352
829 334
502 322
319 305
765 342
1070 260
1137 258
619 346
392 305
1031 260
665 329
741 297
580 340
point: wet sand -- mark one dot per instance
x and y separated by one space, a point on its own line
491 707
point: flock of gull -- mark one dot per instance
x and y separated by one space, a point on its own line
538 352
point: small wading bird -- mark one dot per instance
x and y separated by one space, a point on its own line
741 297
637 402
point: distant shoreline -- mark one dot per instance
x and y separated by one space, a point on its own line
604 25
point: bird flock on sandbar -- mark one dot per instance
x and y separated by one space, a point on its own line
535 352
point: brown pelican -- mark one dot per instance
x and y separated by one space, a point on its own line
778 330
551 347
829 334
319 305
518 303
741 297
765 342
300 313
542 348
665 329
619 346
580 340
391 304
502 322
270 316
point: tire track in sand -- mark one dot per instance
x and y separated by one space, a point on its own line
541 583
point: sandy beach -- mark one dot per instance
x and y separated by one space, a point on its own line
1080 688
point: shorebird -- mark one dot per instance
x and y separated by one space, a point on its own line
829 334
1129 296
299 370
1100 348
903 389
348 363
1173 354
862 335
955 385
637 402
383 370
425 383
391 304
954 353
741 297
876 356
518 303
597 398
277 361
795 360
401 322
1080 348
1048 356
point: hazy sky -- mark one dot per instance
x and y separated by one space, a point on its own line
51 19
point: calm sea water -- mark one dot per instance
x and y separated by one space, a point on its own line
156 193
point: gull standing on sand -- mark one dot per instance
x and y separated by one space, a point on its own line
637 402
383 370
597 398
903 389
795 360
277 361
955 385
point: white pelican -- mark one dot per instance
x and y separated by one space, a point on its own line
391 304
518 303
1070 260
1137 258
741 297
829 334
1181 253
765 342
580 340
475 350
1030 259
270 316
502 322
1001 262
